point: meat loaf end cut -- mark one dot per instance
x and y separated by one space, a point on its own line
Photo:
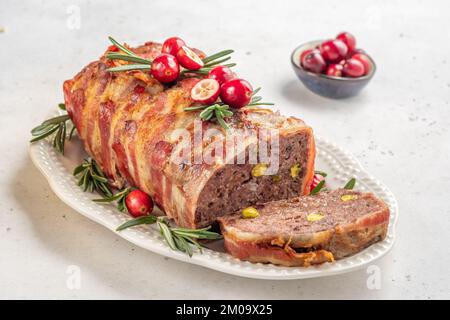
307 230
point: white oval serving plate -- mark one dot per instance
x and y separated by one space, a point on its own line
339 165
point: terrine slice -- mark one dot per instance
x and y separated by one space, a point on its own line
307 230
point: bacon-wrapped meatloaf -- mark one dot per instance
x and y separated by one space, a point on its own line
129 122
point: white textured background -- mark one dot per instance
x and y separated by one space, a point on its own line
398 128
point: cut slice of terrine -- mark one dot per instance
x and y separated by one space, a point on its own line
307 230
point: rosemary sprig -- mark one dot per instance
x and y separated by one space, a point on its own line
118 56
145 64
129 67
56 126
123 48
127 55
322 173
216 62
318 188
204 70
256 100
91 178
150 219
211 61
119 198
180 239
350 184
217 111
216 56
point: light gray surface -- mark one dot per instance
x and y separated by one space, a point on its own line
398 128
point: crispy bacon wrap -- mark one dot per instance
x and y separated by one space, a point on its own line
136 128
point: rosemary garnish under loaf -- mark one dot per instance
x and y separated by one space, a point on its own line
92 179
56 127
119 198
180 239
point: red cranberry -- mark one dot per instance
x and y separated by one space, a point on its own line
139 89
221 74
236 93
333 50
172 45
189 59
316 180
348 39
304 53
355 51
335 70
139 203
353 68
165 68
314 62
112 48
206 91
364 60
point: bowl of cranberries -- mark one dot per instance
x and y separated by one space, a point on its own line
333 68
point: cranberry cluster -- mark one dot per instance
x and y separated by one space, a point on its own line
222 82
337 58
174 52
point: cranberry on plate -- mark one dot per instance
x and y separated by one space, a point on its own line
138 203
316 180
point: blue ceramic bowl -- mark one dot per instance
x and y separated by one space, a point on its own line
327 86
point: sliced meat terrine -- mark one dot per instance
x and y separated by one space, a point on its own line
307 230
127 122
